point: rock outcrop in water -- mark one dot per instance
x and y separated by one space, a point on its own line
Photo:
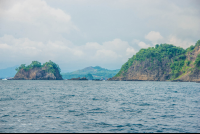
36 71
163 63
83 78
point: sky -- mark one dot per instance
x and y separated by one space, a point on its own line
79 33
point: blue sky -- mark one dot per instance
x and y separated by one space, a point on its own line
79 33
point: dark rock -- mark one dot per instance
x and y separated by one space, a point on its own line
83 78
97 80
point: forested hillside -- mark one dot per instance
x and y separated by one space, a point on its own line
162 62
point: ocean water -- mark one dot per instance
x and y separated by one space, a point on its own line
41 106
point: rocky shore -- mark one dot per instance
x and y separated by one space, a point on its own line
37 74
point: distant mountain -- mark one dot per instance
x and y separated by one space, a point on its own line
97 73
8 72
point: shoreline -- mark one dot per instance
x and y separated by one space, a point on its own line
114 80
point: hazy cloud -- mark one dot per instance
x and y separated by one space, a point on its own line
143 45
36 19
80 33
184 43
23 51
154 37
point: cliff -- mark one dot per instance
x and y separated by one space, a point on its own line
165 62
36 71
191 72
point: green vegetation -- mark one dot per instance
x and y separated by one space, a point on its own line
159 53
197 61
51 66
48 66
198 43
96 72
190 49
177 65
89 76
175 57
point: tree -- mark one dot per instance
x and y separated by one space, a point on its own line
51 66
198 43
197 61
20 67
156 46
35 64
89 76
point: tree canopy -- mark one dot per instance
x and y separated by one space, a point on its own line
49 66
175 55
89 76
159 52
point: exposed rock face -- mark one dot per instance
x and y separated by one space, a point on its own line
37 74
195 74
160 71
139 71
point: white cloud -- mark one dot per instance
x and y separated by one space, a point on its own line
41 30
35 12
36 19
117 45
130 51
143 45
154 37
179 42
109 52
157 38
93 46
105 55
23 50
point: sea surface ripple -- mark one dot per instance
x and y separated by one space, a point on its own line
41 106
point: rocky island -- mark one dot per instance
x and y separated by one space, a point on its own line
36 71
163 62
83 78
